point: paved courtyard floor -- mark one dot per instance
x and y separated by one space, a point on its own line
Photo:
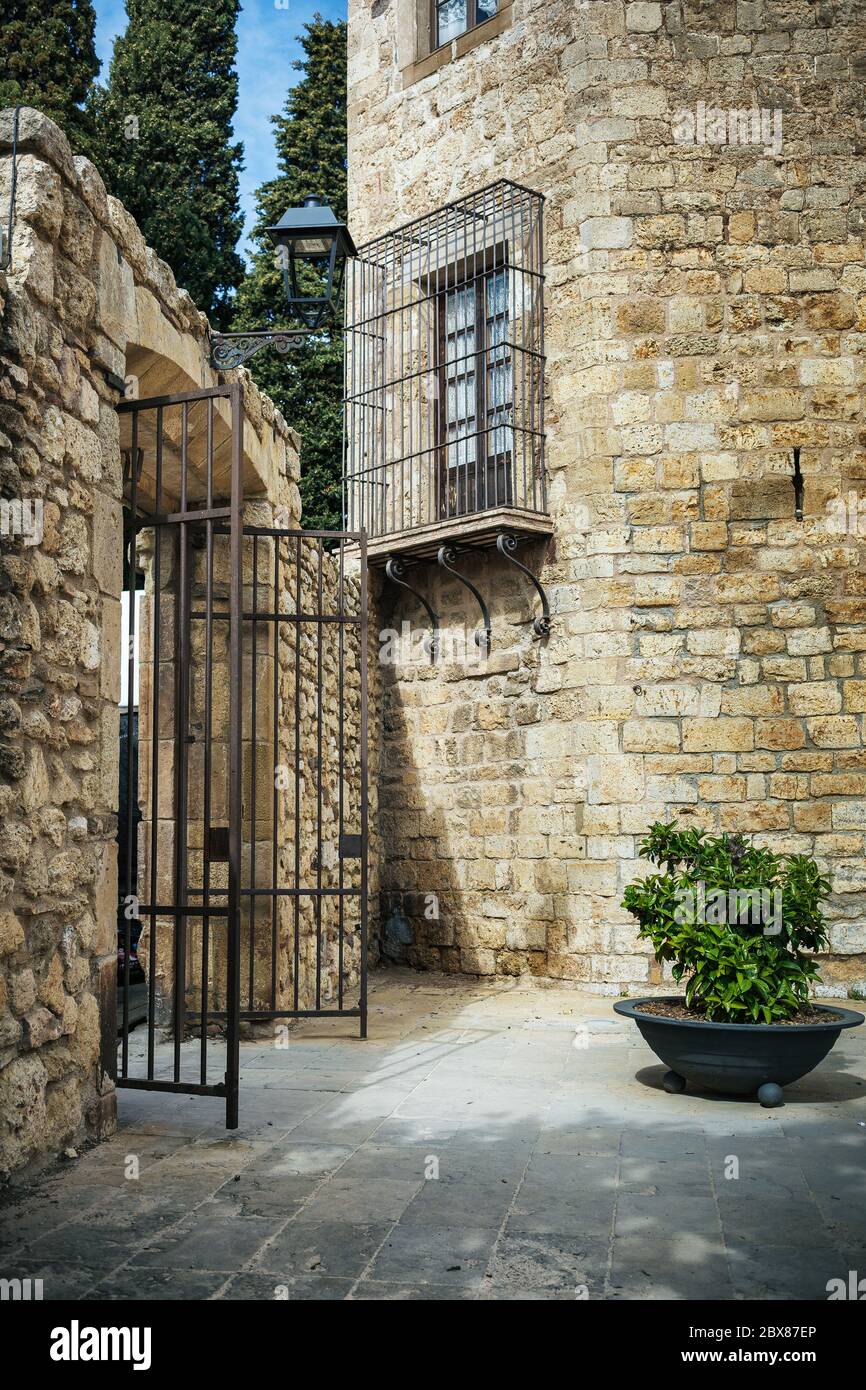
486 1142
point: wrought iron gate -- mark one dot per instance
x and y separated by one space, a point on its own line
244 891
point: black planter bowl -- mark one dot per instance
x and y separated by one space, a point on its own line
738 1059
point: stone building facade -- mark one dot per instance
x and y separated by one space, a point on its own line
704 171
705 282
89 313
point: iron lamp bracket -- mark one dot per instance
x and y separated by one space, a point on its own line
229 350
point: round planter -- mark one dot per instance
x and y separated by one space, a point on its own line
737 1058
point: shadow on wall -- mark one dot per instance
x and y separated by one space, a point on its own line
467 882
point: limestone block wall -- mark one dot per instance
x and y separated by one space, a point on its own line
706 304
60 588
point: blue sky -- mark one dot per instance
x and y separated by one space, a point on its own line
267 47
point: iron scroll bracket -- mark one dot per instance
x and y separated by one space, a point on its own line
446 557
506 544
395 569
230 350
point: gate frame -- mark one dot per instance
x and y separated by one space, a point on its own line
344 538
226 520
181 909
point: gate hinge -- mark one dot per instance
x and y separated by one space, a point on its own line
117 383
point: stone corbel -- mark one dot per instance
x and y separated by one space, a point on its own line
506 544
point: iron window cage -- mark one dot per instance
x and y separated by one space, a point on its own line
444 366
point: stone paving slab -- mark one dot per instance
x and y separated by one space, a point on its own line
489 1141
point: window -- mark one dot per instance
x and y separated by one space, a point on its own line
451 18
476 395
444 393
434 33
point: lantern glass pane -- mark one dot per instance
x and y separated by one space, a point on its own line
313 246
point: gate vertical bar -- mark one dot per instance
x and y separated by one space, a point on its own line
156 641
254 735
298 639
275 799
233 920
341 768
364 770
207 770
320 715
181 751
131 792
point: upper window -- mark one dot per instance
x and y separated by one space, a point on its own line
451 18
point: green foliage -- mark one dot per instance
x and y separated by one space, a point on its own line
48 60
307 384
738 971
176 170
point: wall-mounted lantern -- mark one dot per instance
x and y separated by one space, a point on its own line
312 247
312 250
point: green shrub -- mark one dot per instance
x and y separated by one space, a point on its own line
734 920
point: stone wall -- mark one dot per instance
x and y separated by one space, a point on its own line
706 304
59 664
85 305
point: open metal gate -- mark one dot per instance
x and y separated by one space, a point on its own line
244 888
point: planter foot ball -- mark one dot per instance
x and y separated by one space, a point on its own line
740 1059
770 1095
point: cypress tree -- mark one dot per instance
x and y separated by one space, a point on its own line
48 60
310 137
164 124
